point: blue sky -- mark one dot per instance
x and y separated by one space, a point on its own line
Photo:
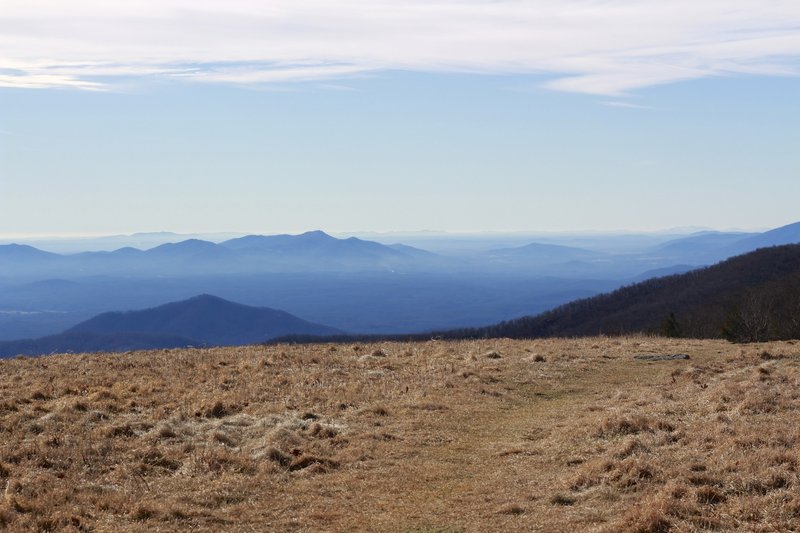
494 119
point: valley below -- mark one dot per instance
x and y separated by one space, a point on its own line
362 287
363 302
436 436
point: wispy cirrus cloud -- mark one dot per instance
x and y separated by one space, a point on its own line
605 47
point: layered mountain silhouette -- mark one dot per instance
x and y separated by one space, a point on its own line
314 251
318 252
702 247
755 296
23 252
353 284
748 298
789 234
18 259
711 247
542 253
202 320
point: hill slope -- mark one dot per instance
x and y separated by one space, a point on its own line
205 319
789 234
16 259
80 342
750 297
710 247
202 320
541 253
703 248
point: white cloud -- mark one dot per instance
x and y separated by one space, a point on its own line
607 47
260 74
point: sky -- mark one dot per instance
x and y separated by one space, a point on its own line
378 115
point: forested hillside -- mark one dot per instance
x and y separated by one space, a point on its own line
752 297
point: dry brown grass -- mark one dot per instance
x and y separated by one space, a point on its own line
550 435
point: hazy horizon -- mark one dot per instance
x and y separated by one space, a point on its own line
399 232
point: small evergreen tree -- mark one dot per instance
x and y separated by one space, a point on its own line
670 327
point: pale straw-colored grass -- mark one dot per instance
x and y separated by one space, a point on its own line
491 435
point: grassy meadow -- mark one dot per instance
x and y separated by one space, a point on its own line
440 436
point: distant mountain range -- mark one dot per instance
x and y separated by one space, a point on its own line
316 251
313 251
143 241
711 247
748 298
540 253
351 284
751 297
200 321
